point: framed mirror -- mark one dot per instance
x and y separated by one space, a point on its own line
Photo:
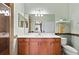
45 24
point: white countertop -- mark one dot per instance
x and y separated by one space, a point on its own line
39 35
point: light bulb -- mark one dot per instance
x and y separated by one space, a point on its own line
7 11
6 14
41 15
35 14
3 11
0 11
38 14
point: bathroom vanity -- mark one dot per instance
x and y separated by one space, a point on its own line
39 44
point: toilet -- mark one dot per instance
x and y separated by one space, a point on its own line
68 50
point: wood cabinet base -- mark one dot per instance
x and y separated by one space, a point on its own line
37 46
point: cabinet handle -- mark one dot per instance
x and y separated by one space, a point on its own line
51 43
38 43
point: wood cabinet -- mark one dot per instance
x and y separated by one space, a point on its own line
23 46
4 38
43 47
55 46
34 46
39 46
4 46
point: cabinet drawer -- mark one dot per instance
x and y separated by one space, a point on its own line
23 40
58 40
20 40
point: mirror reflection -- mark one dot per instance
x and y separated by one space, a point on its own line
22 21
42 23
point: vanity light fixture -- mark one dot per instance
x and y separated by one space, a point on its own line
39 13
5 12
36 15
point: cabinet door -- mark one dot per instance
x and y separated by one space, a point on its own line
43 47
54 46
23 46
51 47
34 46
57 46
